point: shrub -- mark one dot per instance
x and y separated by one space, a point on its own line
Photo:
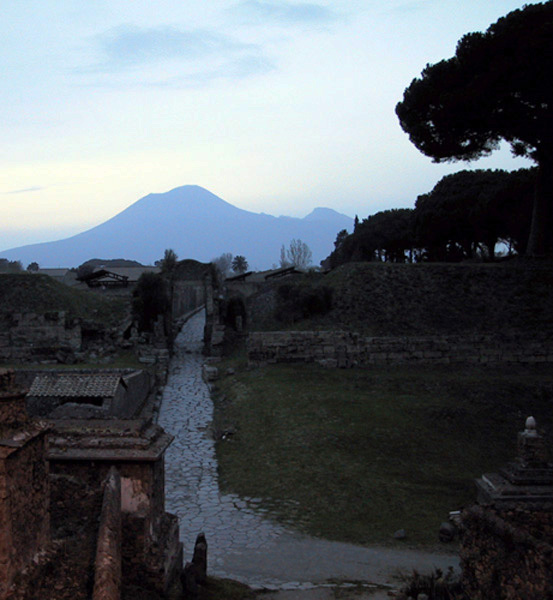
149 300
296 302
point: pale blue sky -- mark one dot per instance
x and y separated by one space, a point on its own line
276 106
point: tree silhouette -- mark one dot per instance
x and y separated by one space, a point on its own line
149 300
169 261
498 86
239 264
223 264
10 266
299 254
468 212
283 261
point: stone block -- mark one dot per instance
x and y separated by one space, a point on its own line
210 373
328 363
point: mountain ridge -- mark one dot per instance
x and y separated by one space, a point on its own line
196 224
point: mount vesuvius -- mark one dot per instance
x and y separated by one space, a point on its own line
196 224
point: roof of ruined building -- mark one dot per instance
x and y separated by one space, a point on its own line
70 386
261 276
134 440
131 273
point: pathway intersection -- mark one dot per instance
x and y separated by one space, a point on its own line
244 544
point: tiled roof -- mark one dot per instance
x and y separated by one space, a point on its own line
81 386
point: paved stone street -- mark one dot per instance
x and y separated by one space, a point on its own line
243 543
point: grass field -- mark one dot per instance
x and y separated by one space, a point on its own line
355 455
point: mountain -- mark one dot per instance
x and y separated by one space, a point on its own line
196 224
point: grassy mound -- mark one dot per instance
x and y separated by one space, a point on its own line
429 298
23 292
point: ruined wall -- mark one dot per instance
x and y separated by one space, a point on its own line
187 295
139 385
24 515
24 485
344 349
31 336
189 282
502 559
107 566
75 505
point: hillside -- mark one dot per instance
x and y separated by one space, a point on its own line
24 292
430 298
196 224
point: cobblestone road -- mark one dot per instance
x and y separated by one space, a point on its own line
191 486
243 543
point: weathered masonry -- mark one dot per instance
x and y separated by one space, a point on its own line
81 454
346 349
31 336
24 485
506 550
58 481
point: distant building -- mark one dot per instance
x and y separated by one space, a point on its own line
117 276
263 276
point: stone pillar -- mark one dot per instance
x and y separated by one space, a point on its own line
507 541
24 484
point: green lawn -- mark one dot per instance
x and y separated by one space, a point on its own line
354 455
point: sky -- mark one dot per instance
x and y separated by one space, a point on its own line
276 106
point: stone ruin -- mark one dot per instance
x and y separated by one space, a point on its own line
507 538
24 484
82 506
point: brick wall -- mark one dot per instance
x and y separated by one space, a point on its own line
345 349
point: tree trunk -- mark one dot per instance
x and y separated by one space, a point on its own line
490 245
540 241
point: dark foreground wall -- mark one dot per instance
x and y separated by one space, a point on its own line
507 556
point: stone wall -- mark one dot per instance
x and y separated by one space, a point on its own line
344 349
107 566
502 560
31 336
82 454
24 484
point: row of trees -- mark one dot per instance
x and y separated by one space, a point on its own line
298 254
497 87
15 266
10 266
227 264
465 216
